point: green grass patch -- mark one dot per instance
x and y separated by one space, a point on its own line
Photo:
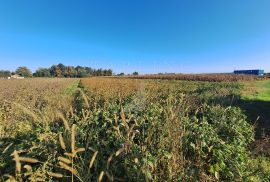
255 101
257 90
71 89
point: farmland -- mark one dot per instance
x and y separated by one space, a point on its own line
40 98
123 129
219 77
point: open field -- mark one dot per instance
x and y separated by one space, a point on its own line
259 90
41 97
256 102
111 129
221 77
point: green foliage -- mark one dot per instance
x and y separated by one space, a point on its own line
259 90
218 140
42 72
259 169
61 70
23 71
142 131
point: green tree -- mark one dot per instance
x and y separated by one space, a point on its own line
135 73
99 72
23 71
42 72
56 71
108 72
70 72
89 70
81 72
62 68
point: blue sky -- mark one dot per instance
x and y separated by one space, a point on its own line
188 36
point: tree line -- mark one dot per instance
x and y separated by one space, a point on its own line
4 73
59 70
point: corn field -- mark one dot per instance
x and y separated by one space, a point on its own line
215 77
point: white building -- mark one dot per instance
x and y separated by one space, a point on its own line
17 77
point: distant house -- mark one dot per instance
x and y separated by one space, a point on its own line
250 72
16 77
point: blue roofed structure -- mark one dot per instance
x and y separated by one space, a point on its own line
250 72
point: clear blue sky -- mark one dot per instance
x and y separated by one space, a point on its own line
189 36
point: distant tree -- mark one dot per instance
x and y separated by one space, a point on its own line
60 70
105 72
23 71
94 72
99 72
42 72
121 74
56 71
135 73
81 72
5 73
109 72
89 71
70 72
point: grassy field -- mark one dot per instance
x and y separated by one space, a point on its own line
111 129
255 101
257 90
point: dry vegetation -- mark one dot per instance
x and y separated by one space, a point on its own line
200 77
109 129
39 99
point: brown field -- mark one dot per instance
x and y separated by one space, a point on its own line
199 77
38 97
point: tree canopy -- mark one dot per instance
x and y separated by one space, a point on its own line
23 71
61 70
42 72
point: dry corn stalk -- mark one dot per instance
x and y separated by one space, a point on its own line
79 150
73 138
61 141
6 149
66 167
93 159
65 160
100 176
28 167
118 152
66 124
17 161
29 160
55 175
